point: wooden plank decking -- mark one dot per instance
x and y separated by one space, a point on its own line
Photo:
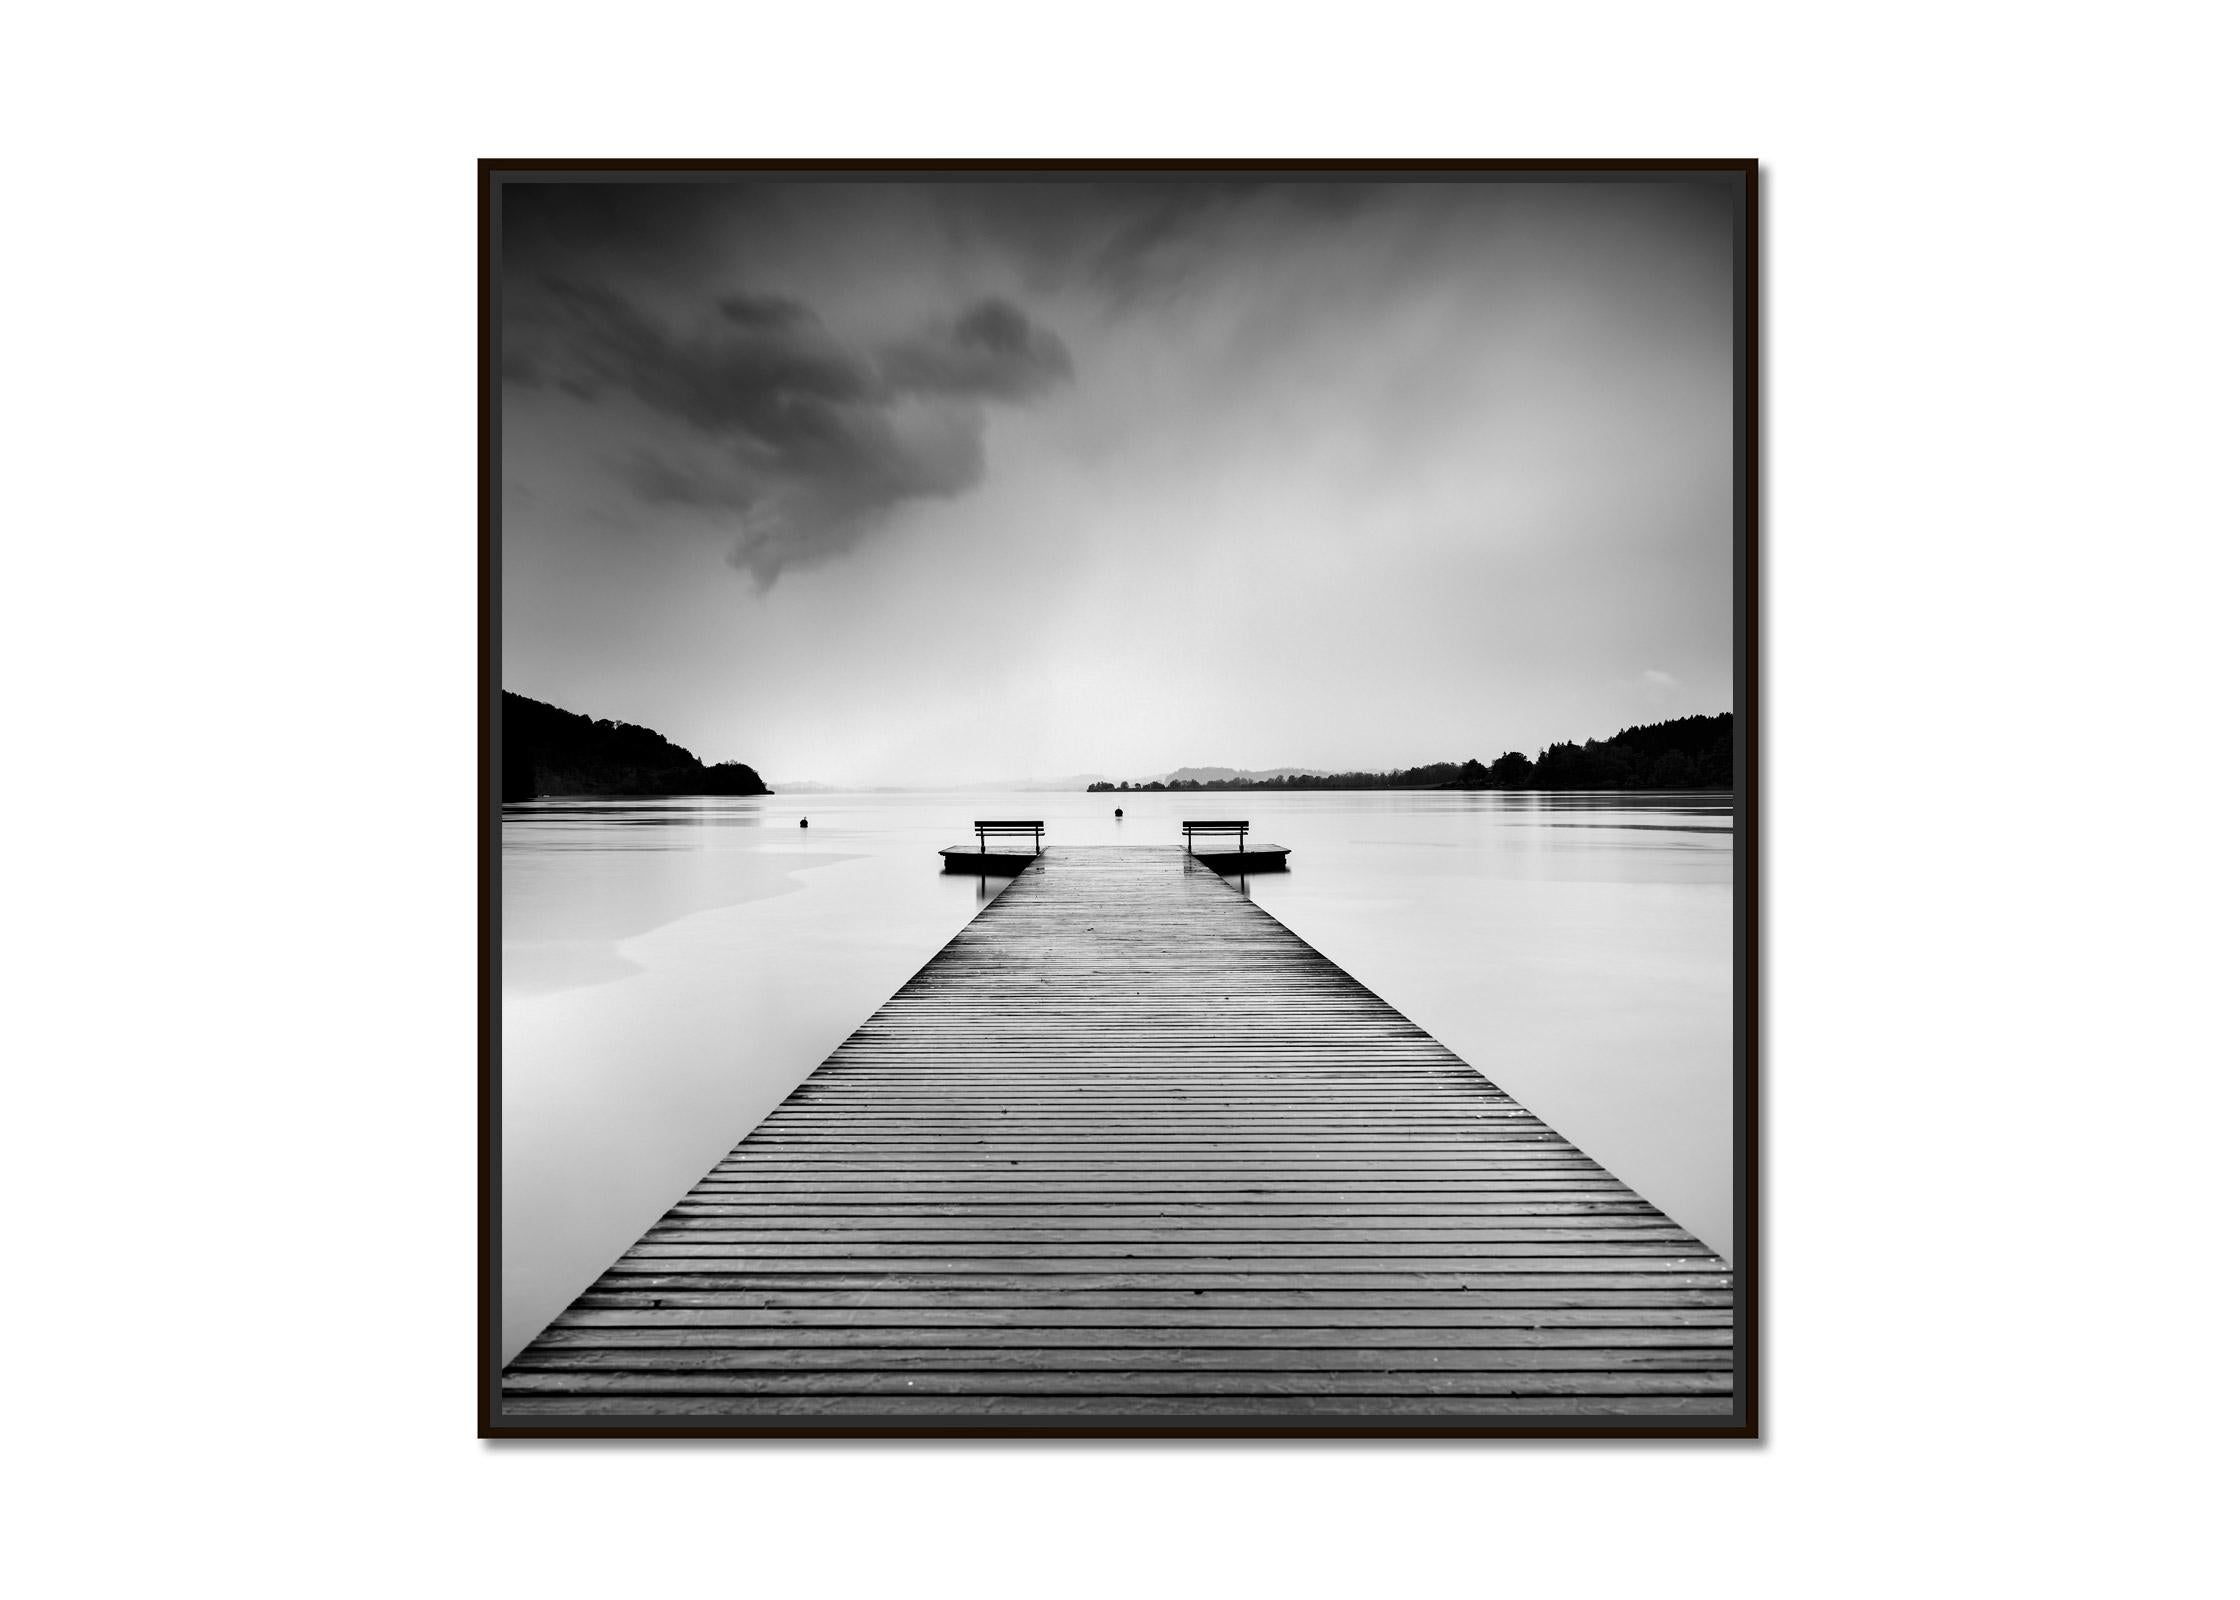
1128 1147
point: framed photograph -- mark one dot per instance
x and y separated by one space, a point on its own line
1119 798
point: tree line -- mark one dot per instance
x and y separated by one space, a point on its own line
547 751
1684 753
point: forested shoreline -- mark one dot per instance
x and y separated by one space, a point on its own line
548 751
1684 753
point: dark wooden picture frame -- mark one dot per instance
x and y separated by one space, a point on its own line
1743 1420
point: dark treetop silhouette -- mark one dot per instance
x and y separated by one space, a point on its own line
549 751
1685 753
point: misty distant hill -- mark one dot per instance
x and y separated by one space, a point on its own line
1235 775
1071 782
548 751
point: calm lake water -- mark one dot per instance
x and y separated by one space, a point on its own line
673 968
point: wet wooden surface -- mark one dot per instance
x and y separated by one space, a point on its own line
1127 1147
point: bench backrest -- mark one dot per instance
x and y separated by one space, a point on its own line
1189 829
981 830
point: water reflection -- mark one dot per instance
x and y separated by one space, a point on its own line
672 968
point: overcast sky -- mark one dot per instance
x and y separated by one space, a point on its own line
927 483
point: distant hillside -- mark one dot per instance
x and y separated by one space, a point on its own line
1203 775
1685 753
548 751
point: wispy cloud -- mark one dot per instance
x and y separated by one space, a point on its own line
1656 691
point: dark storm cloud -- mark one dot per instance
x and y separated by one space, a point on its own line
990 352
759 367
765 312
810 444
687 314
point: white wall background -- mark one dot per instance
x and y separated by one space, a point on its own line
239 646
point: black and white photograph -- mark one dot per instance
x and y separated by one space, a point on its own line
1119 799
996 800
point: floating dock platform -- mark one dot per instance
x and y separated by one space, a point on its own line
1260 858
987 863
1245 858
1129 1152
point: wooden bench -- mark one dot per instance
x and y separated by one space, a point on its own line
1190 830
981 830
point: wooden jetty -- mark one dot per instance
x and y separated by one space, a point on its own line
1128 1151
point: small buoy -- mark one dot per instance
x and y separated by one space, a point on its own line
804 822
1116 811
